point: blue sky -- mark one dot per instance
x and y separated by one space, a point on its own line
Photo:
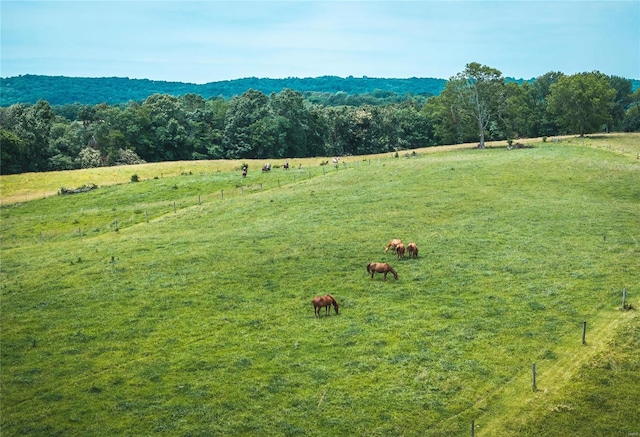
206 41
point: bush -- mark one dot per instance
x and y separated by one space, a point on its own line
135 178
89 158
128 157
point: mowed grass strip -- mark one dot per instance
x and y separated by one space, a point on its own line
200 321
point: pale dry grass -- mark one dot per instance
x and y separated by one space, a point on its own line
30 186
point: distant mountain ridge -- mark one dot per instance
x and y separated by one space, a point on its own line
62 90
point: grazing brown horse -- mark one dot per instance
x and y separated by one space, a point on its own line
412 249
324 302
392 245
385 268
400 250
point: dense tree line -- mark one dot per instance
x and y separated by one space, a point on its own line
478 104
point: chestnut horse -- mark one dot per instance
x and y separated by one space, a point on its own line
400 250
392 245
385 268
412 249
324 302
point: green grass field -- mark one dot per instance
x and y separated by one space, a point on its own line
181 304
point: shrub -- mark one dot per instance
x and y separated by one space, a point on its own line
128 157
89 158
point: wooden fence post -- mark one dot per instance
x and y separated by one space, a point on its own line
146 215
473 428
624 298
222 194
584 332
533 376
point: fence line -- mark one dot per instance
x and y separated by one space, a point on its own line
119 223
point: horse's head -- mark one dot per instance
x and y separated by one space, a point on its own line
395 274
332 301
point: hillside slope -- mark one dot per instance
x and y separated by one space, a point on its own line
181 304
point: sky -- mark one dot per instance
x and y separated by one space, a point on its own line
209 40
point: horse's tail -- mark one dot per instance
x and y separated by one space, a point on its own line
369 268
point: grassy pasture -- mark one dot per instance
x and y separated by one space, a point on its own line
199 320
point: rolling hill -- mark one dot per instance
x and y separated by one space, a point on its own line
59 90
181 304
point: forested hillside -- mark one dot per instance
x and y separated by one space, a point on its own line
59 90
478 104
332 90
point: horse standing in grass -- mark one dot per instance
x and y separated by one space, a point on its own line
324 302
392 245
412 249
400 250
385 268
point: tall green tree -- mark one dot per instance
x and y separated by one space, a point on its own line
169 126
518 118
292 121
338 129
480 92
245 124
65 143
581 103
11 152
450 124
31 125
211 126
135 123
543 123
